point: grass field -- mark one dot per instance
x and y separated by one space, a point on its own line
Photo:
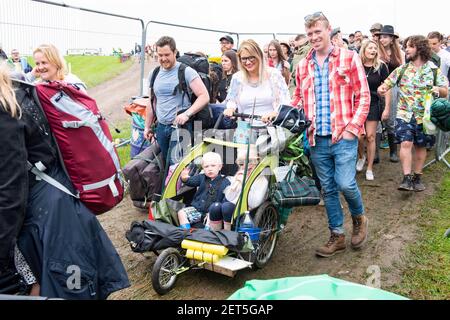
427 267
125 134
94 70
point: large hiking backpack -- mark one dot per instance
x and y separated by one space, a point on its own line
145 174
201 65
85 144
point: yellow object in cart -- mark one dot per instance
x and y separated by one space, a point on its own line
205 247
202 256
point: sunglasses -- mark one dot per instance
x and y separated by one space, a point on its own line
244 60
313 16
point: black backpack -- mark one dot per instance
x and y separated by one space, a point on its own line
201 65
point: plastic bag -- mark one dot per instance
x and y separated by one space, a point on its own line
428 126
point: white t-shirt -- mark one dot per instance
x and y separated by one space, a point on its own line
445 61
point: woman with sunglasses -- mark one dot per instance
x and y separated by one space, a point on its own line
256 87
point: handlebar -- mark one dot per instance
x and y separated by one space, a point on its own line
246 116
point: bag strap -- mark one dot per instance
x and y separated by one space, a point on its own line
152 91
182 85
38 171
434 76
402 73
214 186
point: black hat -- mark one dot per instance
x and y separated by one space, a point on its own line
227 38
387 29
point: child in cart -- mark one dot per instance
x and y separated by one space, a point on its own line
211 185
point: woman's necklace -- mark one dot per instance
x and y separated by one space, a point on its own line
370 70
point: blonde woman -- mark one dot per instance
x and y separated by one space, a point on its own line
51 66
257 85
13 171
58 230
376 73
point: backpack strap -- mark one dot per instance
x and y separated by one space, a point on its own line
182 85
38 171
402 73
152 91
212 189
435 70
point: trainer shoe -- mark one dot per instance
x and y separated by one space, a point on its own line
360 228
407 183
369 175
417 184
335 244
360 164
393 157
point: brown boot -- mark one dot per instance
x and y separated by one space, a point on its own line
335 245
359 235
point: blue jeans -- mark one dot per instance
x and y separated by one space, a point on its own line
175 140
336 168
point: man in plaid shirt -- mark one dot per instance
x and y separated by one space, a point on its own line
332 88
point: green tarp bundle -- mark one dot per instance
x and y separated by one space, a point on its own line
322 287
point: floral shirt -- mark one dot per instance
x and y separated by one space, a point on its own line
414 85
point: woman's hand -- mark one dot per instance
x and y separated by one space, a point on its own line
229 112
269 117
382 90
385 114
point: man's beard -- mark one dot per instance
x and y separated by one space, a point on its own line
414 57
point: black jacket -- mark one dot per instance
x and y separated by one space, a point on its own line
13 184
61 239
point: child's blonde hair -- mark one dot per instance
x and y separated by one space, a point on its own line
242 154
212 157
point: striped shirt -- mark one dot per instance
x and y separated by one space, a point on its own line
322 95
348 88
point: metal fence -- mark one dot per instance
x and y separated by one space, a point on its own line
442 148
25 24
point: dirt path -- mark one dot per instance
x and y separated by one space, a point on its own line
392 226
112 95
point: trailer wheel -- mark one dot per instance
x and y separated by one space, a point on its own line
164 272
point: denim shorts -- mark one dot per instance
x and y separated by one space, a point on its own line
193 215
413 132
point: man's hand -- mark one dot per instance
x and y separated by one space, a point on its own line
435 92
382 90
347 135
148 134
181 119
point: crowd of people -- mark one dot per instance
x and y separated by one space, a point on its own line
352 90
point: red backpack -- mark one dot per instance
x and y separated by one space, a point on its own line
85 144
